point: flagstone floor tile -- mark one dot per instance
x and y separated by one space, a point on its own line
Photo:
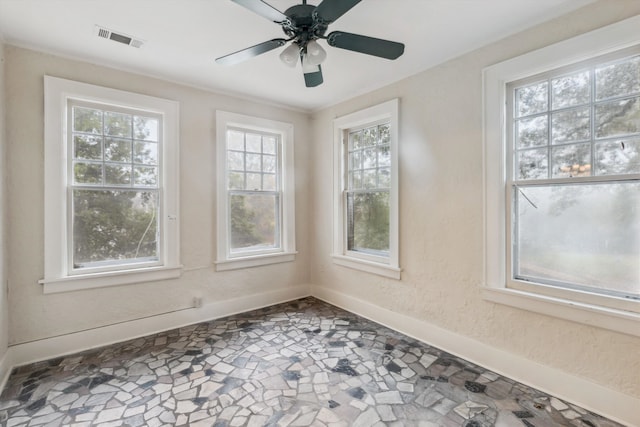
302 363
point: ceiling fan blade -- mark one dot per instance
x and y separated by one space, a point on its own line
250 52
263 9
330 10
313 79
363 44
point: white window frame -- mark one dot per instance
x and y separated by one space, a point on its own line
380 265
58 275
287 251
595 309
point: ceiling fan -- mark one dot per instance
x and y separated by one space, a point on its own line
304 25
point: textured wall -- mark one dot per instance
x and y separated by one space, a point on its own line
441 215
35 315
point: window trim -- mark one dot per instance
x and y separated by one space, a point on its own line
579 306
225 259
383 266
57 277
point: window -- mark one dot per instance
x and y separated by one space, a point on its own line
366 213
563 180
111 203
255 192
574 185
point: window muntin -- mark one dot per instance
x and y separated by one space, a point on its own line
114 187
575 170
254 196
368 169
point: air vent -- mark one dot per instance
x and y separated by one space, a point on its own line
106 33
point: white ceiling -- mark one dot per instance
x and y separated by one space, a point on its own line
183 37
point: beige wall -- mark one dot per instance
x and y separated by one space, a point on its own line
35 315
441 215
4 308
440 211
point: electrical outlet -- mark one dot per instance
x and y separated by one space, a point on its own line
197 302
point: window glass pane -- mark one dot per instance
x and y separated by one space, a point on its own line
368 222
269 145
269 163
384 156
355 180
370 136
117 124
115 226
87 173
145 128
384 132
532 99
254 142
235 140
254 222
117 150
235 160
254 182
571 125
369 178
618 118
115 174
618 79
532 164
384 178
618 157
571 160
532 132
145 176
87 147
369 158
355 140
254 162
585 235
269 182
87 120
145 153
571 90
355 160
235 181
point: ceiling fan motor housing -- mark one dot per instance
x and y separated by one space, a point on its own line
303 24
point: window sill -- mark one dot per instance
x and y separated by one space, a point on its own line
255 261
109 278
625 322
368 266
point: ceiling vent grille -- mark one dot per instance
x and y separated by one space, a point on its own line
108 34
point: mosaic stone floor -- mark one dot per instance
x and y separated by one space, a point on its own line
303 363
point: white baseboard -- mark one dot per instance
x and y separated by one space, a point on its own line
48 348
612 404
5 369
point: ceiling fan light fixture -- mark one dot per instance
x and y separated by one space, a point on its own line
315 53
290 55
307 66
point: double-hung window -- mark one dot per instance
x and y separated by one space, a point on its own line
111 187
570 178
366 190
255 191
574 187
113 177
